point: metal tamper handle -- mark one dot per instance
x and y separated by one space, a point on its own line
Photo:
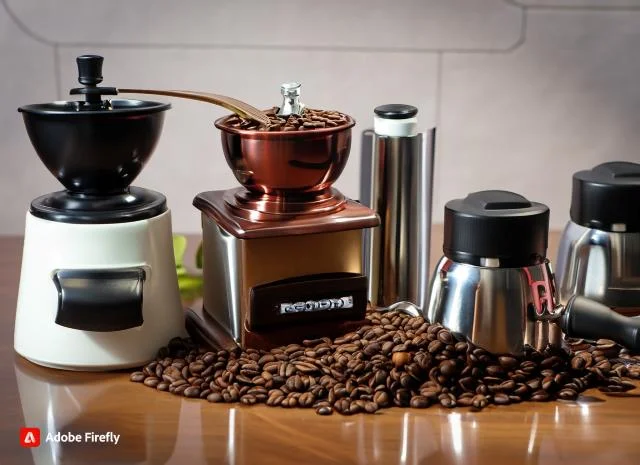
588 319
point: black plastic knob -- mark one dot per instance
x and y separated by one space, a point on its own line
90 75
89 69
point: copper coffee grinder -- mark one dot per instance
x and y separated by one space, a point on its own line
282 255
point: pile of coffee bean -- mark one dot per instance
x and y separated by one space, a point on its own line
396 360
310 119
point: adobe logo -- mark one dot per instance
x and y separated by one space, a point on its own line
29 437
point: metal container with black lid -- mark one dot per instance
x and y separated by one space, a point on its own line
494 279
599 254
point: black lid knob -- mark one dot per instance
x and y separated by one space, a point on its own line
494 225
89 69
90 75
607 197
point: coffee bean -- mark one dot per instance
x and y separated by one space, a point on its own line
370 407
548 383
393 360
179 390
192 391
482 389
381 398
402 397
179 382
534 384
445 336
604 344
507 386
419 402
387 347
568 394
479 401
162 386
448 402
461 347
521 390
435 346
588 359
508 363
447 367
171 373
275 400
494 371
248 399
151 381
289 402
306 399
196 367
400 359
342 406
355 408
325 410
137 377
540 396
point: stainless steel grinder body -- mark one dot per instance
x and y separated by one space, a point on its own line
599 254
494 285
397 180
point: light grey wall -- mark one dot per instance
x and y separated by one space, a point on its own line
523 92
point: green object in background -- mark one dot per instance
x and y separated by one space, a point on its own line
199 256
190 285
179 248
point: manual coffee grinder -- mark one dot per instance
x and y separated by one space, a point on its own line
282 254
98 286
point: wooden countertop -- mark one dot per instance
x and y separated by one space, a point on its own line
158 428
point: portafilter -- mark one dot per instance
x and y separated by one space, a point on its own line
495 286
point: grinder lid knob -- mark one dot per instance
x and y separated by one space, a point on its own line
496 228
607 197
90 75
291 104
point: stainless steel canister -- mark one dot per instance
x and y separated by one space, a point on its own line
397 183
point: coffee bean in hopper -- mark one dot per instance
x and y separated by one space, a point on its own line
394 360
309 119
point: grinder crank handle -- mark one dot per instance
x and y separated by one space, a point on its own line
587 319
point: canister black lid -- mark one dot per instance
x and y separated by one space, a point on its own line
607 197
498 225
396 111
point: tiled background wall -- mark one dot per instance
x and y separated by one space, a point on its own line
524 92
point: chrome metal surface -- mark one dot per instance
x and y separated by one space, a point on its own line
499 309
600 265
233 267
404 307
221 272
291 104
400 191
